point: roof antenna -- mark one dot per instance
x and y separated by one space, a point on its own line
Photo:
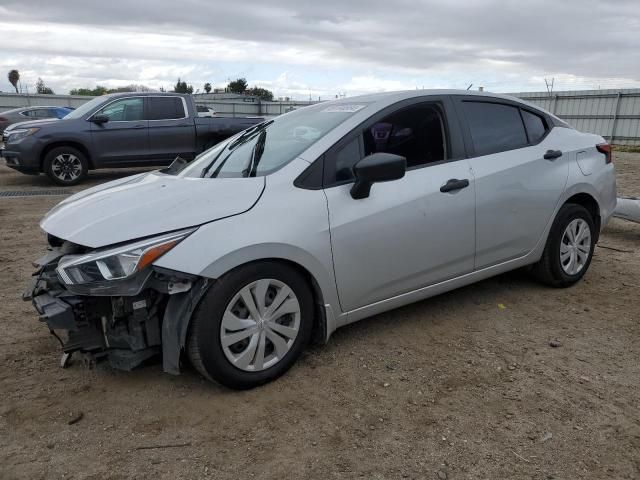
469 87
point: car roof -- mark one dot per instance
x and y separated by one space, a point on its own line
388 97
143 94
382 99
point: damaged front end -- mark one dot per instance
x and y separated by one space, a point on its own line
114 304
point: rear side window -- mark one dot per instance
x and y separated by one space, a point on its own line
165 108
536 126
494 127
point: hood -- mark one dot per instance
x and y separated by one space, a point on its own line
32 124
148 204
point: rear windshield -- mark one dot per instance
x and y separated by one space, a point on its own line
265 148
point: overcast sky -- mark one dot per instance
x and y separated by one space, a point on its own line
300 48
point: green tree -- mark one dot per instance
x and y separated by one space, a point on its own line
14 78
42 89
239 85
182 87
95 92
207 87
263 93
130 88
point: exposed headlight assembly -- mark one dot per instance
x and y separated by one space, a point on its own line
19 134
117 263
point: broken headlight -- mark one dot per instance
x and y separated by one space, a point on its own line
116 263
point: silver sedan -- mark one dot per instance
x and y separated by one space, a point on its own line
316 219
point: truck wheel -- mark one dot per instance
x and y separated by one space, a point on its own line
569 249
252 325
65 166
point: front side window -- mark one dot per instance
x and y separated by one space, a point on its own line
124 110
165 108
265 148
416 133
494 127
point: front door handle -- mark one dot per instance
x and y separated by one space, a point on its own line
454 184
552 154
139 126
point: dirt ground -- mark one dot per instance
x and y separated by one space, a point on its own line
464 385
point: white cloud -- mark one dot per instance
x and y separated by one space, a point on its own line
323 48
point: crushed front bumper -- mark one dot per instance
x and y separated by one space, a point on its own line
124 329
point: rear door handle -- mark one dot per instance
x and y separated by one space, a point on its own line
454 184
552 154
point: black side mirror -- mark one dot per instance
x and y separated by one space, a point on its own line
99 119
377 167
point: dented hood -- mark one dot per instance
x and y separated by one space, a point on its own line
148 204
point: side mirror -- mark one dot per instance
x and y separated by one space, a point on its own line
377 167
99 119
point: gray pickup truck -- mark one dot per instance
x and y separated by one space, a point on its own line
118 130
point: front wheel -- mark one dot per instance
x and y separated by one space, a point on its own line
569 249
65 166
252 325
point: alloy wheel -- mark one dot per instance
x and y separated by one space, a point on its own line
66 167
575 246
260 325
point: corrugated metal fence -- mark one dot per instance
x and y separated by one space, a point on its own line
614 114
9 101
240 106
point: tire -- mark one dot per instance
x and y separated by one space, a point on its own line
557 271
66 166
238 365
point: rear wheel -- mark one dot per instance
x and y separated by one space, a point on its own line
66 166
569 249
252 325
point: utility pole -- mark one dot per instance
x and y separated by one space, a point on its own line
549 85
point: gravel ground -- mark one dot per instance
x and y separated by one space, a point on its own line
464 385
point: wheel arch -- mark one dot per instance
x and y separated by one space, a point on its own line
591 205
319 332
322 323
178 315
65 143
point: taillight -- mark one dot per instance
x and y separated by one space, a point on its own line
2 119
606 149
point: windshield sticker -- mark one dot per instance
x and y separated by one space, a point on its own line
346 108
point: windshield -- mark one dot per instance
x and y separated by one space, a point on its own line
86 107
264 148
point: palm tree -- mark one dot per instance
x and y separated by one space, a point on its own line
14 78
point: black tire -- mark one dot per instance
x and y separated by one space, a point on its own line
69 154
204 345
549 269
